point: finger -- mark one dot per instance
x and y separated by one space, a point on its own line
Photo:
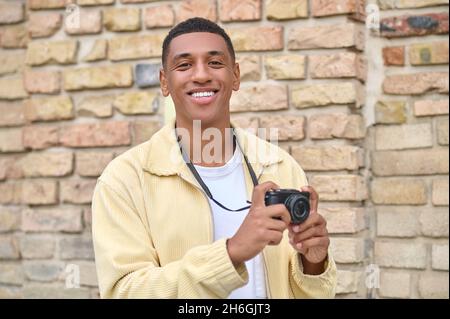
274 237
276 224
313 242
260 191
309 233
313 220
279 211
313 198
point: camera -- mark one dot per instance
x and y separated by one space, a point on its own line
296 202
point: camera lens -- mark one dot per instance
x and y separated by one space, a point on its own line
298 207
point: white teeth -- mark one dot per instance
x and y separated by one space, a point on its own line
202 94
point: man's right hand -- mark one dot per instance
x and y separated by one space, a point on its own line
263 225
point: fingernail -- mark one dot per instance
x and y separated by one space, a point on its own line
296 228
299 246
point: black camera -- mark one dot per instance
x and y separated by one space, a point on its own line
296 202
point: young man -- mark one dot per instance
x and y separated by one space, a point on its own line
169 223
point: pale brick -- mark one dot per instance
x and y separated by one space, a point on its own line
9 248
310 95
400 255
122 19
340 187
440 186
395 285
347 35
439 256
87 217
430 107
9 219
47 4
135 47
240 10
46 164
41 25
138 102
12 114
33 290
338 65
11 140
403 136
442 131
347 281
434 285
49 109
14 37
77 191
286 9
56 52
98 51
88 273
159 17
90 22
48 270
429 53
337 125
327 158
11 273
10 292
94 2
249 67
37 246
434 223
40 137
11 62
320 8
11 88
347 250
288 127
390 112
415 162
114 76
259 98
98 134
11 12
196 8
343 220
404 4
397 222
52 220
92 164
42 81
394 55
399 192
143 130
9 168
285 67
39 192
98 106
248 123
76 247
257 38
416 83
10 193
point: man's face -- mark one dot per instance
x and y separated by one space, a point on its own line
200 76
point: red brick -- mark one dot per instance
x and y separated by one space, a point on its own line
320 8
14 37
77 191
40 137
416 83
42 81
39 192
394 55
240 10
414 25
44 24
11 12
198 8
159 17
12 114
98 134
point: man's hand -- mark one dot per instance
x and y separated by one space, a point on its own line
310 238
259 228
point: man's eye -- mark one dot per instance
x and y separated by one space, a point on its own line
215 63
183 65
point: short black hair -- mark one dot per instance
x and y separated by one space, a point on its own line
196 24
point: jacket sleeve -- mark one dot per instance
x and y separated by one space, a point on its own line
127 261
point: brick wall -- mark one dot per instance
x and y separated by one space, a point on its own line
363 110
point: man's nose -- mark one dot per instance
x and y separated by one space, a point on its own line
201 73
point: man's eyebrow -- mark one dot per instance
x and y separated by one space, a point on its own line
187 55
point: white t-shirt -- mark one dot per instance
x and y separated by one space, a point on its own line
227 186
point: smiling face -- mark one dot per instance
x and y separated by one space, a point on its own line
200 75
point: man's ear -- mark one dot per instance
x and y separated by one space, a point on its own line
163 82
236 77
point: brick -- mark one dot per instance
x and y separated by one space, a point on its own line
414 25
442 131
11 140
88 273
416 84
87 217
394 55
14 37
403 136
400 255
46 164
11 62
428 53
37 246
147 75
395 285
98 51
414 162
399 192
11 13
433 285
76 247
11 88
347 250
114 76
48 270
49 109
390 112
10 292
77 191
340 187
311 95
42 81
52 220
98 106
248 123
92 164
434 223
238 10
343 220
55 52
122 19
143 130
397 222
403 4
327 158
9 219
430 107
40 137
11 273
9 248
336 125
286 9
347 281
440 186
94 2
198 8
257 38
47 4
12 114
259 98
338 65
98 134
289 127
250 67
159 17
39 192
439 256
138 102
34 290
10 193
135 47
89 22
344 35
9 168
320 8
285 67
136 1
41 25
